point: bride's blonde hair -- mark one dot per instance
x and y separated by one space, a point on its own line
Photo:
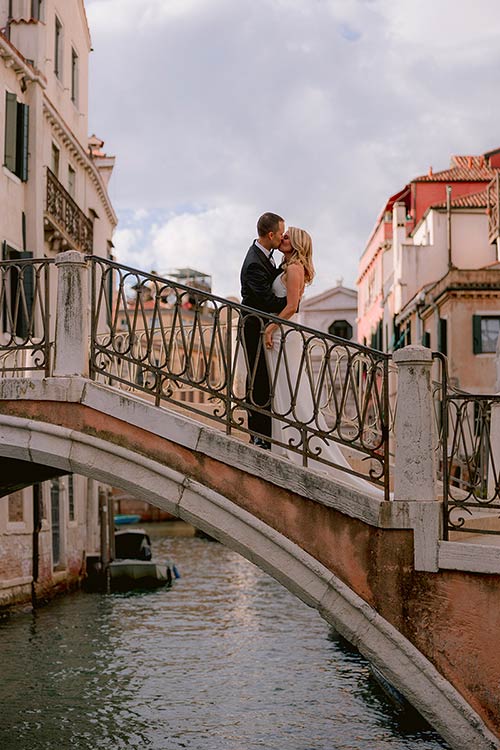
301 243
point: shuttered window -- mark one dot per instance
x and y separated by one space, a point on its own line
74 77
16 136
18 295
443 336
58 48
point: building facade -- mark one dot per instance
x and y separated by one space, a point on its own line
53 197
430 272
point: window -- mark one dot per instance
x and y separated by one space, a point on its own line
443 336
341 328
18 294
16 511
376 337
16 137
36 10
71 498
74 77
71 181
485 330
54 163
58 49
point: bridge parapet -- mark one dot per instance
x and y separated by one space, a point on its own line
183 348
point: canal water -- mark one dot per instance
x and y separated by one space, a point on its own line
224 660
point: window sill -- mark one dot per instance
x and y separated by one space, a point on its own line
12 176
16 528
59 573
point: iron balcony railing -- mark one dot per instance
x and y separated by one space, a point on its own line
24 312
184 347
492 202
67 217
468 461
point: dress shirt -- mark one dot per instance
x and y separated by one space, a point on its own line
267 253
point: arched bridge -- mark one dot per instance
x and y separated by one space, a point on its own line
370 556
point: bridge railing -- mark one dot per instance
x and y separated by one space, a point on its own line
25 343
185 347
468 428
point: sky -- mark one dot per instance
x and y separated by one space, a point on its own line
318 110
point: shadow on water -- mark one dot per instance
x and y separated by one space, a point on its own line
389 708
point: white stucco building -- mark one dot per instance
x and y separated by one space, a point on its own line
53 197
334 311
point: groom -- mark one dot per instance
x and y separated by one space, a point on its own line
257 275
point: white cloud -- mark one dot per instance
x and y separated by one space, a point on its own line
317 109
123 14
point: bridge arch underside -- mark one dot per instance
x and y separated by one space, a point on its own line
359 578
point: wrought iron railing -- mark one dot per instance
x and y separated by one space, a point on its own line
492 202
185 347
469 465
24 312
67 216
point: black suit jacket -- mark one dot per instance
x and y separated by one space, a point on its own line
257 276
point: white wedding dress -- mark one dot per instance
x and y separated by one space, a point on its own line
296 403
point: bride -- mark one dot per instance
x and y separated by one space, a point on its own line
290 374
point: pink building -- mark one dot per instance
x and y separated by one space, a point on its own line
438 222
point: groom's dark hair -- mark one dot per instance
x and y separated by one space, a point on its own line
268 222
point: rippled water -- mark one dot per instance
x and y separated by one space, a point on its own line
225 660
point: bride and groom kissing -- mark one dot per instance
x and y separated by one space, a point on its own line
277 290
281 394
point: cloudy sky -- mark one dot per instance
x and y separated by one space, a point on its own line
218 110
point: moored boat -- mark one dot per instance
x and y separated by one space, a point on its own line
133 566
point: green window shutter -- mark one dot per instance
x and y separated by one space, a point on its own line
426 339
10 132
22 141
476 334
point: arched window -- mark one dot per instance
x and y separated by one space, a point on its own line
341 328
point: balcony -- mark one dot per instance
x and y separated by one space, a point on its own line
66 226
492 201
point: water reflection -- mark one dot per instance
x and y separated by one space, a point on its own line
225 660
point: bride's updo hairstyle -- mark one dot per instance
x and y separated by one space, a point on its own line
301 243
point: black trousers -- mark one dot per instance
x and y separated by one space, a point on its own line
257 385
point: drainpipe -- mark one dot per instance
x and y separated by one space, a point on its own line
448 217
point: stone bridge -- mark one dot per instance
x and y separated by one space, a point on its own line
421 609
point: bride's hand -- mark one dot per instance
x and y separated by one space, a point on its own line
268 337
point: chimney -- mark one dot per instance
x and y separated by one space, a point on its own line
430 173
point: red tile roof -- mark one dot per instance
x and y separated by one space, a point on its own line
462 169
474 200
